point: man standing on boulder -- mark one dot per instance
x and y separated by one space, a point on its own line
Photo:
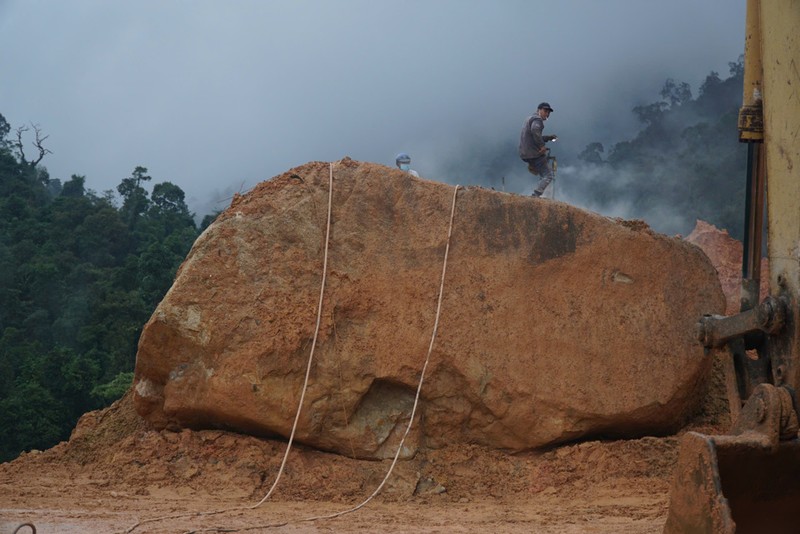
532 150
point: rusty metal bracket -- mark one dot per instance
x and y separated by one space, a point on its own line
768 317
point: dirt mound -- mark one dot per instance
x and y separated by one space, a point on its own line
114 472
116 451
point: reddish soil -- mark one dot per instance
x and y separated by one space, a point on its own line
114 472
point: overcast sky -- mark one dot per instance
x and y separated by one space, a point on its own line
216 96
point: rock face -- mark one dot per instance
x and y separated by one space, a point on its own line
555 323
725 254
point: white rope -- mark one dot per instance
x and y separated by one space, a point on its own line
410 421
313 343
302 394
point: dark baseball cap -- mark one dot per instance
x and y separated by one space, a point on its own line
545 105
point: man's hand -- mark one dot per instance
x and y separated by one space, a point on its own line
547 138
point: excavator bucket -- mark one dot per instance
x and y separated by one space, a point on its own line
727 484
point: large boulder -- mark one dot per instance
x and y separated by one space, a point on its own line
555 324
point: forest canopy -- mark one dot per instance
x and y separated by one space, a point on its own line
80 274
685 164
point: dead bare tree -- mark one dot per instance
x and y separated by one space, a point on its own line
38 143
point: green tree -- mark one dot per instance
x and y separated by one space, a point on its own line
134 197
592 154
686 161
79 277
676 93
5 128
75 187
30 417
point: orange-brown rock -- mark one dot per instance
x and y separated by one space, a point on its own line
555 324
725 254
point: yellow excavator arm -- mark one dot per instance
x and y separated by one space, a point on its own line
749 479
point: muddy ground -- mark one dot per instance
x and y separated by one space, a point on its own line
115 473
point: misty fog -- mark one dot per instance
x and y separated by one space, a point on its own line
221 96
